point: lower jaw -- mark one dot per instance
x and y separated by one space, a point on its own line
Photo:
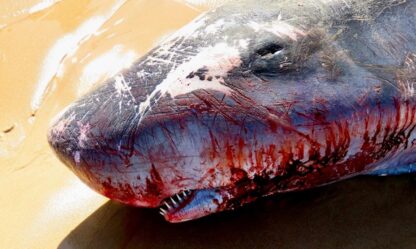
192 204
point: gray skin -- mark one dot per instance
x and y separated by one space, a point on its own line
251 99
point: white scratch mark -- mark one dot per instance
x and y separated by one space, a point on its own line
214 27
104 67
122 87
218 60
84 130
279 28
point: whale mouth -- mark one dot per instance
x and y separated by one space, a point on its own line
175 202
191 204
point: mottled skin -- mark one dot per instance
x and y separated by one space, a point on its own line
251 99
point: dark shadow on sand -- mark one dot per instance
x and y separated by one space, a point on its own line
366 212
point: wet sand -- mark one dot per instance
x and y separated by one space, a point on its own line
52 52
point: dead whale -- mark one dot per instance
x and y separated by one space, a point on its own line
251 99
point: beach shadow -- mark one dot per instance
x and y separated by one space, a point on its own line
366 212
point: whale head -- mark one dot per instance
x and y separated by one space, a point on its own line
228 109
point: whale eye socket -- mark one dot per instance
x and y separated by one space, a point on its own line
270 59
269 49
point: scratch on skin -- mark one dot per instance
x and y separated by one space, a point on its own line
218 59
406 76
84 130
121 87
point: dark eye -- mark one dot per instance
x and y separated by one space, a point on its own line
268 59
271 48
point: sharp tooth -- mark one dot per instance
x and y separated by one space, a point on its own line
167 205
184 195
162 213
162 210
179 198
173 201
188 191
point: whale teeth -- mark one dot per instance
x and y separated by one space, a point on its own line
174 202
167 205
162 211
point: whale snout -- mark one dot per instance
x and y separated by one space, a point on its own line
63 136
98 141
141 157
142 135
